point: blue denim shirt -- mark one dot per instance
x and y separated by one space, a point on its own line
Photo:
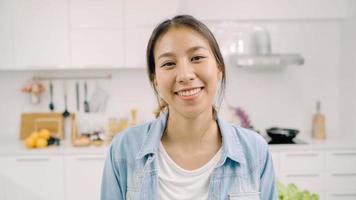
244 171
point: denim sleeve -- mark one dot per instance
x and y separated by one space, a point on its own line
110 184
268 183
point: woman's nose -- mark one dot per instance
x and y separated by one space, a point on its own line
185 74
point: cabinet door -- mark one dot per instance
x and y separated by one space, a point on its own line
149 13
97 48
6 34
140 19
135 46
96 13
257 10
41 34
96 34
83 176
32 177
302 161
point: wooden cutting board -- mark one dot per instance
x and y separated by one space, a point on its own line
31 122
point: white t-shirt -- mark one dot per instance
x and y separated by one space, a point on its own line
178 183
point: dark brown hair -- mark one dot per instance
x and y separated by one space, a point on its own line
189 22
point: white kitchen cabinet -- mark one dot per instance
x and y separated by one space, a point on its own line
341 174
96 34
341 196
83 176
97 48
96 14
266 10
149 13
7 8
305 161
31 177
303 168
40 34
140 19
135 46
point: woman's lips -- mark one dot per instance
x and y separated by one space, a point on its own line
189 94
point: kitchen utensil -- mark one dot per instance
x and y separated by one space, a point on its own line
86 103
281 134
30 122
77 95
66 112
99 99
51 105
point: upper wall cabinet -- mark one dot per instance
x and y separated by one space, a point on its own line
6 34
140 19
35 34
265 10
149 13
96 14
96 33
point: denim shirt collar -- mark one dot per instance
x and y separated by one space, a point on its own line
231 144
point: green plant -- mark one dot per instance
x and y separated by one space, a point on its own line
291 192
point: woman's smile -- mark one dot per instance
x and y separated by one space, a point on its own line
189 94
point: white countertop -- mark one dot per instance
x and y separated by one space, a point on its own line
16 147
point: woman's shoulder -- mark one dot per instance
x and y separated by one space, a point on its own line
249 134
128 142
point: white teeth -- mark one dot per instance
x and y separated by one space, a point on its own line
189 92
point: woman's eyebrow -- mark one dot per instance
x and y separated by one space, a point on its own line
191 49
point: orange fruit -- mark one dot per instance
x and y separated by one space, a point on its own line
35 135
45 133
41 143
30 142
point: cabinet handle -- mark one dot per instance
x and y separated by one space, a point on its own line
344 174
345 154
303 154
302 175
90 158
32 159
343 194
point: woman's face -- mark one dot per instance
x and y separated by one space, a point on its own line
187 73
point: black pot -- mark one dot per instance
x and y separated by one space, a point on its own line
281 134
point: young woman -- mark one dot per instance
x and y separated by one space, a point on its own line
189 151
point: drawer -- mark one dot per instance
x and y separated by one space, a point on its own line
341 195
341 181
312 181
302 161
341 160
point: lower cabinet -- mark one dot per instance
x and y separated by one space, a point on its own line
57 177
83 176
31 178
329 173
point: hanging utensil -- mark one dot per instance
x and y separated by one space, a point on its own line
77 95
86 103
51 104
66 112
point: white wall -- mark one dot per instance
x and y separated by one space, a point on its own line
348 73
283 98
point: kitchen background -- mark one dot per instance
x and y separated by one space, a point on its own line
67 38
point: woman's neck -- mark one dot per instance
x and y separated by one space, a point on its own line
191 130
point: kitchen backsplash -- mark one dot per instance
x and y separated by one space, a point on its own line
284 97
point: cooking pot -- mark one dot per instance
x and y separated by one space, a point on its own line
281 134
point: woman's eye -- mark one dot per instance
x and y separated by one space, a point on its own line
197 58
168 64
